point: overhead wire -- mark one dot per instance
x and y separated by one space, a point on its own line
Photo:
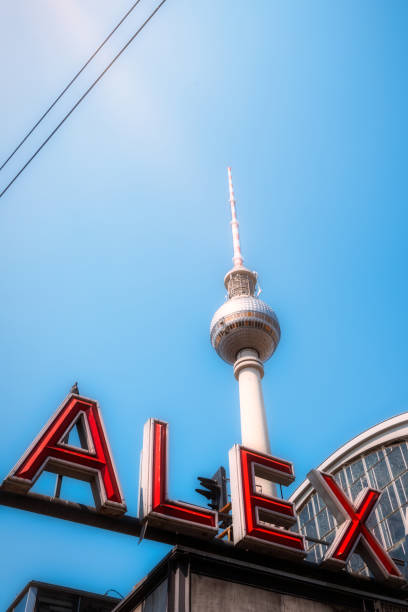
125 16
152 14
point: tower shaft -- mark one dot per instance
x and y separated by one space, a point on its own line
248 370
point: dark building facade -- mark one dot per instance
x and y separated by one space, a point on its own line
191 581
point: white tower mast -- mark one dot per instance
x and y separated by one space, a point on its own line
245 332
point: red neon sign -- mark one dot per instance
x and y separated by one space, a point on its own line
353 535
260 519
50 452
256 515
154 503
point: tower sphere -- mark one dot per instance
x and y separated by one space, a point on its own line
244 322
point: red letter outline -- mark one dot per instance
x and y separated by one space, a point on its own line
248 505
352 534
154 503
49 452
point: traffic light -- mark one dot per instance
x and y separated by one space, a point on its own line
215 489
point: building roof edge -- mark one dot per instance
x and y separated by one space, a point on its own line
393 428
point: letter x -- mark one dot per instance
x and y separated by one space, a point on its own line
352 534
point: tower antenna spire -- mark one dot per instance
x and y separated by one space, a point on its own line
237 258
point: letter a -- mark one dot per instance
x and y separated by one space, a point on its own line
92 463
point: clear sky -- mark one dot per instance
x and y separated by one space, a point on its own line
115 240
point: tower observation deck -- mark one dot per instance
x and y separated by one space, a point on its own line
245 332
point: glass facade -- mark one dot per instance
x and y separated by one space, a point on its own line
386 469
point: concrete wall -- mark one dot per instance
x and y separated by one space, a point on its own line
216 595
213 595
156 602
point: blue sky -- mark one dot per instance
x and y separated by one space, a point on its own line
114 242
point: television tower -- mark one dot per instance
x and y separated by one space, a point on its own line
245 332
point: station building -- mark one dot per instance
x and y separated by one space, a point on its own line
376 458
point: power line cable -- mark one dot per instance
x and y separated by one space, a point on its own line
69 84
82 97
